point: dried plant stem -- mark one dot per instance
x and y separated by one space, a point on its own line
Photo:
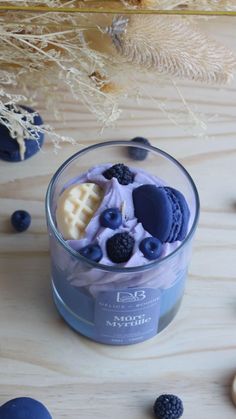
166 45
93 57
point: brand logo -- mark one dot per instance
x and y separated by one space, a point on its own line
130 297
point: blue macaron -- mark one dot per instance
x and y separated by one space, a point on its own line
24 408
9 147
163 212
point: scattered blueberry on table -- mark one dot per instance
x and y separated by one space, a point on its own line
24 408
168 406
137 153
111 218
20 220
9 147
92 252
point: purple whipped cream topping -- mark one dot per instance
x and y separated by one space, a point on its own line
93 280
117 196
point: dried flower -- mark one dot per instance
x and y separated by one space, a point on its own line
92 56
183 4
174 47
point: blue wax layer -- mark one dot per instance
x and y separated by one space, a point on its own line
77 306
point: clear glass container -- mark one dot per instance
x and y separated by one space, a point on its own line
112 304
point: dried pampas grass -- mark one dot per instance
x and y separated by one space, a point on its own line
175 47
209 4
93 57
39 52
140 3
183 4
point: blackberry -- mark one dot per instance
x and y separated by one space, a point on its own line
120 247
121 173
137 153
168 406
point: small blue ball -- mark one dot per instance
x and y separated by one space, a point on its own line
20 220
151 248
24 408
111 218
137 153
92 252
120 247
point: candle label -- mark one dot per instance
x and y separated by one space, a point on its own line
127 316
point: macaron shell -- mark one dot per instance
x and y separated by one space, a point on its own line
24 408
163 212
177 217
9 147
153 208
185 214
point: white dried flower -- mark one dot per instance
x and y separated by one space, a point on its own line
172 46
39 51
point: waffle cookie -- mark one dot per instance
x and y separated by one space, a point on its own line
76 206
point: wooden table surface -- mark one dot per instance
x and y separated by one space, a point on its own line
195 357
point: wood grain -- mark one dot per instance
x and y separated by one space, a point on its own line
195 357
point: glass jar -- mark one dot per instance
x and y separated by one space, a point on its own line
112 304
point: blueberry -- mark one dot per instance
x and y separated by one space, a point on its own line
121 172
24 408
137 153
168 406
20 220
111 218
151 248
120 247
92 252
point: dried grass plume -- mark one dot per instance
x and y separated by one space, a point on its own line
93 57
175 47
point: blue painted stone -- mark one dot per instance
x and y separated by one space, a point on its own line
9 148
24 408
163 212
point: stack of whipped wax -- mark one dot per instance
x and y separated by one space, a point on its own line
119 215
